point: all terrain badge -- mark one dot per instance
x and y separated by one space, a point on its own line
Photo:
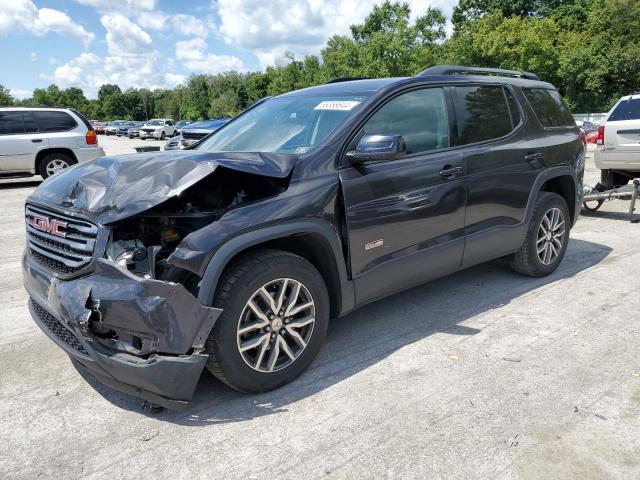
374 244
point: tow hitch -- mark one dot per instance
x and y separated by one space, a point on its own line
593 199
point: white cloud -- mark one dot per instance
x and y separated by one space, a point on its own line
193 55
188 25
53 61
173 79
124 37
34 57
269 29
20 94
110 6
72 72
24 16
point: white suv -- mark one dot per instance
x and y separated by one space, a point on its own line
44 141
158 128
618 143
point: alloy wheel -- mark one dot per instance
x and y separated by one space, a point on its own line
551 236
56 166
276 325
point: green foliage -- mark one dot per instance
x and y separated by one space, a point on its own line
5 97
589 49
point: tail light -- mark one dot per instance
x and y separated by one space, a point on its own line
600 137
92 138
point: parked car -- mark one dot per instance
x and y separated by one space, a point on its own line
158 128
100 127
134 130
592 137
44 141
193 133
112 127
234 254
618 144
588 127
182 123
123 129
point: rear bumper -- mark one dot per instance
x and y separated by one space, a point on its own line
170 324
85 154
615 160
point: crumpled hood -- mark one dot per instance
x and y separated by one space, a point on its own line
112 188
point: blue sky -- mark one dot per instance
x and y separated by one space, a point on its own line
159 43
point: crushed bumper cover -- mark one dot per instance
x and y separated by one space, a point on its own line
165 315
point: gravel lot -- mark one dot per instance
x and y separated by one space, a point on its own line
484 374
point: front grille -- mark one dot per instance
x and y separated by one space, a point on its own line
64 255
148 130
59 330
193 135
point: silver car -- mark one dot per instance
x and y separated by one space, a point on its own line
44 141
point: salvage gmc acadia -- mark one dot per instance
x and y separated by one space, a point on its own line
234 254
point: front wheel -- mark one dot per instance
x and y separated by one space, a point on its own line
162 136
547 237
276 313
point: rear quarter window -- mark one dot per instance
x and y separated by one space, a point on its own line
626 110
549 107
50 121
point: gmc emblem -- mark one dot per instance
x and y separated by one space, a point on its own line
49 225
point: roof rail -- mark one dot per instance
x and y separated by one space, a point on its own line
345 79
458 69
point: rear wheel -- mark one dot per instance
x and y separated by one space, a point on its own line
54 163
276 313
547 237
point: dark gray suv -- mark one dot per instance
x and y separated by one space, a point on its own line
234 254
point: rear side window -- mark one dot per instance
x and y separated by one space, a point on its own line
11 123
549 107
50 122
30 125
626 110
420 116
483 113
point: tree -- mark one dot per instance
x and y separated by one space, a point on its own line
5 97
387 44
106 90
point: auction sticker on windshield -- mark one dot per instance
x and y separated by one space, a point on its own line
343 105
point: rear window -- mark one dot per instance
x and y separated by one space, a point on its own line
83 119
483 113
626 110
50 122
11 123
549 107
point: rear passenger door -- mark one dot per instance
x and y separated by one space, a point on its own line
60 129
501 165
19 141
405 217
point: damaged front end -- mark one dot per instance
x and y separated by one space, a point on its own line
98 271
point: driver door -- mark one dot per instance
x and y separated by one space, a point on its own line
405 217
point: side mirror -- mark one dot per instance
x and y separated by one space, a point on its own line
373 148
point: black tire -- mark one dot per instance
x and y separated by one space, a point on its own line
51 157
611 179
162 136
241 281
527 261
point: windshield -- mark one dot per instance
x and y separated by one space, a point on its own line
291 124
155 122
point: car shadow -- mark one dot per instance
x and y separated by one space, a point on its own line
7 184
621 215
351 347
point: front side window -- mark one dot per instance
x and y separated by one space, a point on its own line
549 107
483 113
50 122
290 124
420 116
626 110
11 123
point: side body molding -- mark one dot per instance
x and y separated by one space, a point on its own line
223 255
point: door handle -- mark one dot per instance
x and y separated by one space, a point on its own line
36 140
451 172
532 157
